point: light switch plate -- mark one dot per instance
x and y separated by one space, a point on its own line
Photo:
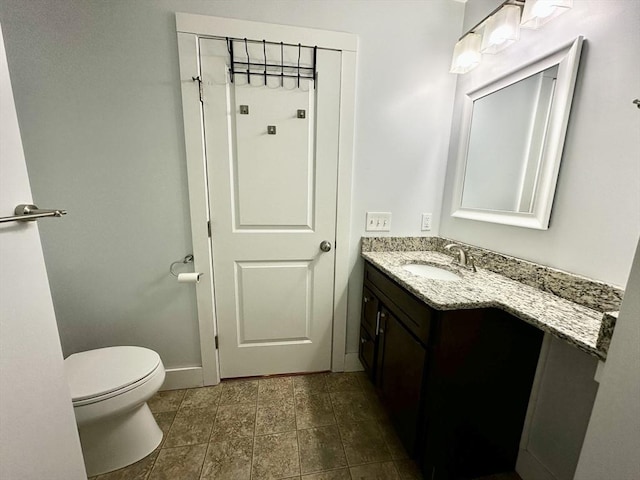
378 222
426 222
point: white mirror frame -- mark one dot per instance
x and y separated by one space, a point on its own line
567 59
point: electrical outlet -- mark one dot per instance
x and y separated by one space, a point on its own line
378 222
426 222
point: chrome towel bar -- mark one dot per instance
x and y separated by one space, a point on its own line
28 213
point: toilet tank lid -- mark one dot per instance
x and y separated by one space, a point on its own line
97 372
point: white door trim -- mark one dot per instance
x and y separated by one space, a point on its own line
189 27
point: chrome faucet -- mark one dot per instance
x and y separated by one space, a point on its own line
461 256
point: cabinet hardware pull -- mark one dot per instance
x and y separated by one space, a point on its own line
381 331
383 315
362 340
366 299
378 323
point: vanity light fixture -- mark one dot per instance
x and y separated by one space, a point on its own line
466 53
538 12
501 29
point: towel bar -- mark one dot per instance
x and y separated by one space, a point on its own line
28 213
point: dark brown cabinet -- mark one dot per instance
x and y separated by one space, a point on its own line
399 376
455 384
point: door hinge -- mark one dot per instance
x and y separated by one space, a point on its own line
216 341
209 228
199 80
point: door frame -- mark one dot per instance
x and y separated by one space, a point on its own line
190 28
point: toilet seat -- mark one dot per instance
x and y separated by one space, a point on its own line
97 375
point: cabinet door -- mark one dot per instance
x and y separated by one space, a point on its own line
369 311
399 376
367 352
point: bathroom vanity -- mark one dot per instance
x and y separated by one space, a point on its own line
455 383
454 361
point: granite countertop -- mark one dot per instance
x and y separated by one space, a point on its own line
577 324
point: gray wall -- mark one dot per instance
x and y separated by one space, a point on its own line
98 99
595 221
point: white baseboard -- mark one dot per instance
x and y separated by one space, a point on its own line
530 468
188 377
352 363
191 377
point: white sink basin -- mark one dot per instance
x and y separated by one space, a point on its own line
429 271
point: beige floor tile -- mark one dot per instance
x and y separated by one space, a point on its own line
392 441
343 382
366 384
314 410
352 407
408 470
191 426
239 391
320 449
138 471
342 474
234 421
375 471
275 417
310 384
206 397
363 443
228 460
275 390
275 456
164 420
184 463
167 401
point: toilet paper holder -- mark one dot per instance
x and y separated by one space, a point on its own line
185 260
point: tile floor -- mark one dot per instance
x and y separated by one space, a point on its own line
313 427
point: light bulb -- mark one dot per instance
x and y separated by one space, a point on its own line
501 29
538 12
466 54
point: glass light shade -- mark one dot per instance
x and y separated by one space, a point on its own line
538 12
466 54
501 29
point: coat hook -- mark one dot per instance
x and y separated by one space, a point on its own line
299 51
231 59
264 52
637 102
246 49
281 64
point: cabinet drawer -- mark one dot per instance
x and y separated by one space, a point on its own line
367 351
412 312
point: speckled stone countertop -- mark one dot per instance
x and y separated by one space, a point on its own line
577 324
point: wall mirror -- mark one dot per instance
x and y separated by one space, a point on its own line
511 141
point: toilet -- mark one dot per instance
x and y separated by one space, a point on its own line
110 388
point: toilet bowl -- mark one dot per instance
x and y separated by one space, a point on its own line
110 388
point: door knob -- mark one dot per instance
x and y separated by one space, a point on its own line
325 246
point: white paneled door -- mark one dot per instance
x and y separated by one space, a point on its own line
272 158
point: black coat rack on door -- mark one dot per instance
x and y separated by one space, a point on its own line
245 68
